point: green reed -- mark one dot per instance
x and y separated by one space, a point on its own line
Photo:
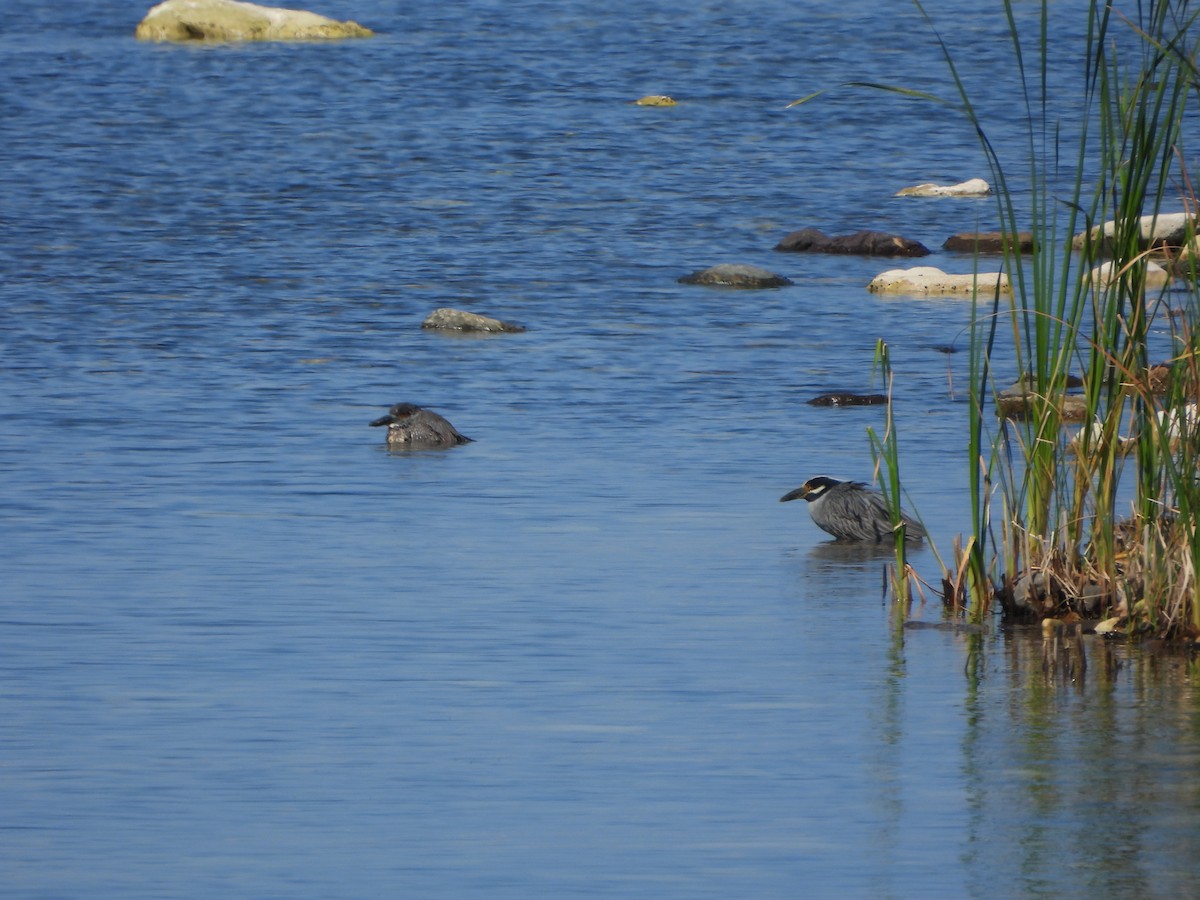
1047 537
886 452
1059 495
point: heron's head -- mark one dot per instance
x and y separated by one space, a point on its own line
813 489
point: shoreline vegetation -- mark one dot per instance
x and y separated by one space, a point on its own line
1054 537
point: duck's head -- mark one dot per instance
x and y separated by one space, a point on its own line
398 413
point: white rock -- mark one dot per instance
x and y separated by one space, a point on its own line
932 280
975 187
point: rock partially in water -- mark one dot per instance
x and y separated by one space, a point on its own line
1026 383
1090 598
1168 230
1032 592
231 20
448 319
988 242
861 243
846 398
1105 274
974 187
736 275
1018 400
654 100
932 280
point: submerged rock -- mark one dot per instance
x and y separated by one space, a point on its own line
988 242
736 275
861 243
845 398
974 187
931 280
1155 232
447 319
231 20
654 100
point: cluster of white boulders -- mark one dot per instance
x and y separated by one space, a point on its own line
1174 233
231 20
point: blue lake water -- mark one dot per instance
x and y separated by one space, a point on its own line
245 650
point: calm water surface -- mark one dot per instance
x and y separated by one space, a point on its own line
247 651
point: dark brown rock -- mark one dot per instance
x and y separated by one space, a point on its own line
861 243
988 242
845 398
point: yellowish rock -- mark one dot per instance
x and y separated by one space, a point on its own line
449 319
655 100
231 21
932 280
1109 626
1191 250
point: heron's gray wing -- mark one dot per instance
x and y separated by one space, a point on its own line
856 513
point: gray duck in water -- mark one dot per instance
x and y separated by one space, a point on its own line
411 427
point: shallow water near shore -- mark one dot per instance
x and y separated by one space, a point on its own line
246 649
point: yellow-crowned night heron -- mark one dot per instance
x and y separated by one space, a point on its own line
411 427
851 511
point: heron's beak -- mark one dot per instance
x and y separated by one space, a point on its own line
798 494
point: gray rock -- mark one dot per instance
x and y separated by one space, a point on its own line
448 319
1032 591
736 275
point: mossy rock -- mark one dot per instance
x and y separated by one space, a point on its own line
736 275
447 319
